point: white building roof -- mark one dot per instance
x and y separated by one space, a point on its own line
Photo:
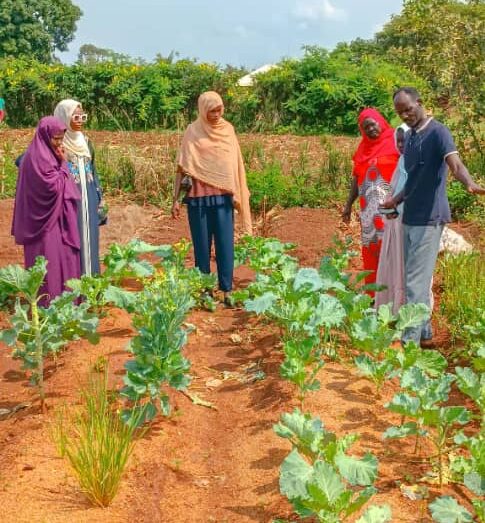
248 80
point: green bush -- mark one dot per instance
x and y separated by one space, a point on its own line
460 200
322 92
270 187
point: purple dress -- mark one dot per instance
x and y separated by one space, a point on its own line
45 212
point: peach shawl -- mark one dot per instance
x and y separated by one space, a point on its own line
211 154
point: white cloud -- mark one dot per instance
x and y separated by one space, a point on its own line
318 10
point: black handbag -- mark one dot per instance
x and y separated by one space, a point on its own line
186 183
103 215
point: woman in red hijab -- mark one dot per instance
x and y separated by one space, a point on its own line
374 164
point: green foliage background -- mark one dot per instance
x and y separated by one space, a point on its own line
36 28
435 45
322 92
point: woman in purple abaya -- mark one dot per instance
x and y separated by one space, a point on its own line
45 212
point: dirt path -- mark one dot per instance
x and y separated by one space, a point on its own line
200 465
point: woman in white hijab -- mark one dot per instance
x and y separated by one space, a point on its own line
390 271
79 154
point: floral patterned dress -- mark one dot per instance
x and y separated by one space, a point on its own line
84 172
373 179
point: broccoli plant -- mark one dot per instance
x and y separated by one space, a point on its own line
296 300
375 332
123 261
157 348
447 510
423 402
473 385
37 331
471 468
320 479
303 360
98 292
263 255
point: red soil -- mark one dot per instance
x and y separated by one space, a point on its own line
200 465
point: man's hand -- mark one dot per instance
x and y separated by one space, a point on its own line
388 203
176 210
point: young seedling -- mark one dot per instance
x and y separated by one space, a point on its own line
303 360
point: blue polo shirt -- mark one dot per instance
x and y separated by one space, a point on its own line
425 153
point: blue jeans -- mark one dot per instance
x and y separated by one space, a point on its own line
421 245
208 223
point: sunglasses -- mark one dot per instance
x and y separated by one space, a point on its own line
80 118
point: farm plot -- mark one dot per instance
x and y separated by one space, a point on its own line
219 461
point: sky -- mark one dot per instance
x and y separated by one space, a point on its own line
246 33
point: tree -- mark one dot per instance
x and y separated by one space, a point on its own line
36 28
90 54
442 41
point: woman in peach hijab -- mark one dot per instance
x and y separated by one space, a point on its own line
211 170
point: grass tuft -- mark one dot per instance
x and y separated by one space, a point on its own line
95 442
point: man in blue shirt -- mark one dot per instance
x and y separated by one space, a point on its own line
428 154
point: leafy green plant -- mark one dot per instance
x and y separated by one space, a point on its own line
476 348
320 479
94 440
123 261
395 361
303 360
6 299
157 358
473 385
295 300
38 331
99 292
447 510
378 371
375 332
431 362
423 403
471 468
263 255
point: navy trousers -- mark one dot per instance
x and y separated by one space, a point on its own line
208 223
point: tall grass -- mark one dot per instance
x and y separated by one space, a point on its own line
463 297
96 443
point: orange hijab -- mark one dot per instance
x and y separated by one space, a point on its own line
211 154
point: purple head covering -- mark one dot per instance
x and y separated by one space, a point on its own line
45 190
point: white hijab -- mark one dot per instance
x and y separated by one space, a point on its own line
74 141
